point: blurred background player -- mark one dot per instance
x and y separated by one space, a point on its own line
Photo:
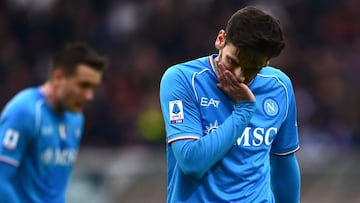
41 128
223 146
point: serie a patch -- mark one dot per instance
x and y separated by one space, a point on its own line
176 112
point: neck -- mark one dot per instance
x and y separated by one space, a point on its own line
49 92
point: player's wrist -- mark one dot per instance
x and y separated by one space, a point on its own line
244 103
249 106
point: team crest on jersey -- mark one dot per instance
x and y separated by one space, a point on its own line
176 111
62 131
77 133
271 107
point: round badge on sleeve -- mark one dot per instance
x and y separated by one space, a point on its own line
271 107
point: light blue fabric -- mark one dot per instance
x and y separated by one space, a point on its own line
285 176
210 160
7 192
40 146
196 157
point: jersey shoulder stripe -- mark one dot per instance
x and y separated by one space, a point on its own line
282 79
193 81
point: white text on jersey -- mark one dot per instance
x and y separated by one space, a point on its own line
257 136
59 157
204 101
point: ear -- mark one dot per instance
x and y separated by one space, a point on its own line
57 74
220 40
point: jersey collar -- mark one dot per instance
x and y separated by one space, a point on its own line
212 62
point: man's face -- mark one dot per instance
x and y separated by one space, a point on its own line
237 60
77 89
240 62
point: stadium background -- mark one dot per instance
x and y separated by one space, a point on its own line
122 158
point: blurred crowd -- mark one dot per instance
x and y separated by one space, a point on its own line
142 38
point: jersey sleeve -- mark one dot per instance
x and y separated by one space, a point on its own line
7 191
180 112
285 178
15 125
287 139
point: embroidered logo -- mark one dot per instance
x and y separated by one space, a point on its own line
204 101
176 111
211 127
271 107
62 131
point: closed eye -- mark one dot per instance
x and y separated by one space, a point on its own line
232 62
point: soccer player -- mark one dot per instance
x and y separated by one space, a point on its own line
41 128
230 118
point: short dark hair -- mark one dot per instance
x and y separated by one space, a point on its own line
255 31
76 53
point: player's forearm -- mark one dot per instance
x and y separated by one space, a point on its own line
195 158
285 178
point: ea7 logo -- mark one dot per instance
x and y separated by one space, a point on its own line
257 136
209 102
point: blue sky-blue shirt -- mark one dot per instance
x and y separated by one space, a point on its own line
194 108
40 145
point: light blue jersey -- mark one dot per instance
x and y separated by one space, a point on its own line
193 107
41 144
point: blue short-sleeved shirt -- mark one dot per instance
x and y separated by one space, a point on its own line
193 106
41 144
